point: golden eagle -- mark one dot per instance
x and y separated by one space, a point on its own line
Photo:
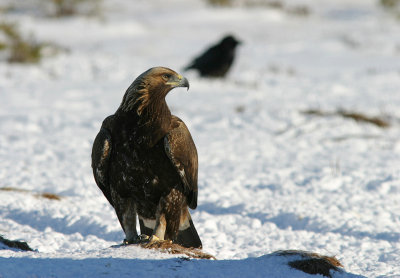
145 162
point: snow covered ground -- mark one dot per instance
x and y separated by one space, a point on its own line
270 176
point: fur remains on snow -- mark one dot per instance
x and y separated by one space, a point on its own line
312 263
166 246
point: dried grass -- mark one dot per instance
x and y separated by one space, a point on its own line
389 4
222 3
64 8
391 7
240 109
380 122
358 117
46 195
49 196
299 10
8 188
21 50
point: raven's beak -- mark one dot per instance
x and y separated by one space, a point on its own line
178 81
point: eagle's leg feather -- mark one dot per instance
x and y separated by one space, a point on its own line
126 212
168 215
161 225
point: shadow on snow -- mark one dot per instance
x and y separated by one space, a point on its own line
269 265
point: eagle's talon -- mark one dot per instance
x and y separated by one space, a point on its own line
154 239
127 242
156 242
135 240
143 238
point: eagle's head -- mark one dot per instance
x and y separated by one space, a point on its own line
150 89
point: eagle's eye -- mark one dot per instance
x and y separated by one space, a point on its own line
166 76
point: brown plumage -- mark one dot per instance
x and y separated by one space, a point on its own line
145 162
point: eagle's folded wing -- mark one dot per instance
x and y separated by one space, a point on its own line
181 150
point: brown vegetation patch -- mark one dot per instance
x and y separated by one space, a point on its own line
312 263
9 188
299 10
240 108
47 195
50 196
166 246
55 8
15 244
391 6
21 50
380 122
359 117
63 8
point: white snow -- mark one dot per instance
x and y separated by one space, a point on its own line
270 177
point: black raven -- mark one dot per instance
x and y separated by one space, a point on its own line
145 162
217 60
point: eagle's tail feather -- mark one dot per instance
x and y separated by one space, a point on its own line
189 237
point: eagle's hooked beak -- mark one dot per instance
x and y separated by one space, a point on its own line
178 81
